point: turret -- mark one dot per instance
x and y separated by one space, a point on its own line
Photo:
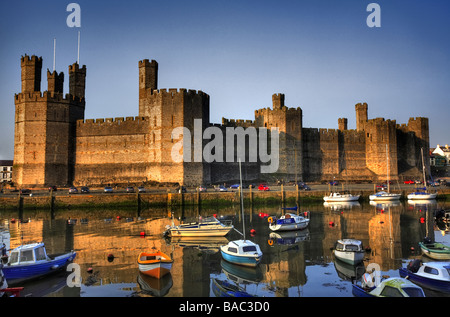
31 73
77 80
148 82
361 116
55 82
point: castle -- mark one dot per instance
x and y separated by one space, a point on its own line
55 145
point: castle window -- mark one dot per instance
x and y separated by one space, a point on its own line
153 136
154 121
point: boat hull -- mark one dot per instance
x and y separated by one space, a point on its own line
341 198
436 285
435 251
421 196
350 257
358 291
389 197
225 289
16 274
154 264
199 232
244 260
289 227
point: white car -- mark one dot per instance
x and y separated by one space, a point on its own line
108 189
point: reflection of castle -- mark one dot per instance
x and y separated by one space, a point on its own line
55 145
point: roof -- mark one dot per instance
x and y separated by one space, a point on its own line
6 162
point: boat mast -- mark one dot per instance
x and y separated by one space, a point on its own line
387 167
423 171
242 199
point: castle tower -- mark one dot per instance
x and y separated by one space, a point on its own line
148 82
31 73
289 122
55 82
77 80
361 116
342 123
43 137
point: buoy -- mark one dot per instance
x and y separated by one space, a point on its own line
331 224
270 219
422 220
215 215
412 249
90 270
142 233
110 257
253 231
118 218
270 242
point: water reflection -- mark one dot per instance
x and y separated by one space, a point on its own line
297 263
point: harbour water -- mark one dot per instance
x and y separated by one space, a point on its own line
295 264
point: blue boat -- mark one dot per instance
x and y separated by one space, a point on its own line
430 275
391 287
222 288
28 262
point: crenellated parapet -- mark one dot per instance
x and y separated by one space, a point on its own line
48 96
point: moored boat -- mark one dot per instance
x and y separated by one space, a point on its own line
155 264
431 275
242 252
223 288
384 196
31 261
208 227
435 250
288 222
422 193
390 287
338 197
349 251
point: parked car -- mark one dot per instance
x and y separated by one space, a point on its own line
304 187
181 189
220 188
130 189
108 189
85 189
202 188
234 186
334 183
409 181
263 187
73 190
141 189
52 188
381 187
25 191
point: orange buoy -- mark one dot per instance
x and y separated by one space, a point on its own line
253 231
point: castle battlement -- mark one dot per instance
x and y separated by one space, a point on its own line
47 96
177 91
117 120
24 59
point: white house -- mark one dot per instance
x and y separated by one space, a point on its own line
6 167
443 151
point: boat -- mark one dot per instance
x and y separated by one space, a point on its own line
338 197
155 264
382 195
390 287
435 250
223 288
430 275
3 282
290 208
349 251
243 252
208 227
422 193
31 261
157 287
288 222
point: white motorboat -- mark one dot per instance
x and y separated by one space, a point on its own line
338 197
431 275
349 251
422 193
242 252
383 196
288 222
208 227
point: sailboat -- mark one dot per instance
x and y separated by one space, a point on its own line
422 194
242 252
385 195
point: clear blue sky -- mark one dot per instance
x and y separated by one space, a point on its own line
320 53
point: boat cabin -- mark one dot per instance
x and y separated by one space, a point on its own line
242 247
350 245
29 253
435 270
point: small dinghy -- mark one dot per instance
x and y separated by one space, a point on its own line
288 222
155 264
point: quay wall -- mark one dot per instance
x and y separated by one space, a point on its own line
146 200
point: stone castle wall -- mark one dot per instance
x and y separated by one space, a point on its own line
56 145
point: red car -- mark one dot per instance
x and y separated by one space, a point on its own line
263 187
409 182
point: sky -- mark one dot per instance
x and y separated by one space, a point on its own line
321 54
